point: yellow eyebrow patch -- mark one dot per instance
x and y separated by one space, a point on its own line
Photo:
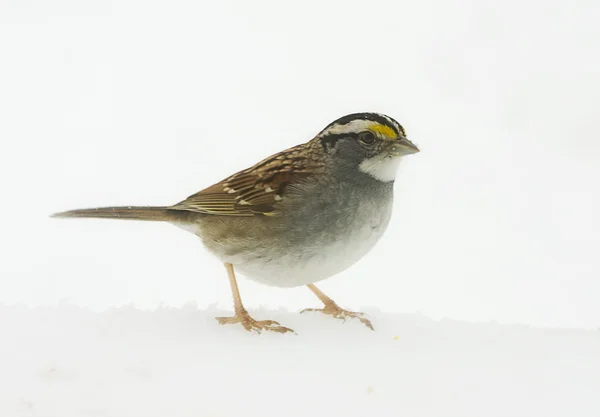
384 130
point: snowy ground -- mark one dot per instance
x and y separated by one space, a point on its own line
67 361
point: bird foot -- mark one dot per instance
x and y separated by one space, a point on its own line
341 314
253 325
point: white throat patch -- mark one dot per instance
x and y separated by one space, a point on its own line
381 168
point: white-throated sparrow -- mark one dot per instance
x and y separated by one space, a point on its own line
297 217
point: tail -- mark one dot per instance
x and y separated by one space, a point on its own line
156 214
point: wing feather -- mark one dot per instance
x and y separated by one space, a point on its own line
260 189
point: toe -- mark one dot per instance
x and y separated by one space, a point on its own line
268 323
282 329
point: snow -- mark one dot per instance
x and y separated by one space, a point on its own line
66 361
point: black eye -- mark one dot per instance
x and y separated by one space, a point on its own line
367 137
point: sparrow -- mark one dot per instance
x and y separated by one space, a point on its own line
297 217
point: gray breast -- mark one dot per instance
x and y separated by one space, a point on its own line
319 234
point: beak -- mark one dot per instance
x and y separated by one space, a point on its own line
403 146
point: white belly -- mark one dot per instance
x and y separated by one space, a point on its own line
308 265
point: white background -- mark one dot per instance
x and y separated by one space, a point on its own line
138 103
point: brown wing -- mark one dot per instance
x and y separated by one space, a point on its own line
259 189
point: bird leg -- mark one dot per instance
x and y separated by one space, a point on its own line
334 310
242 316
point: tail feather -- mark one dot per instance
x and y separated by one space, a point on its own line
123 213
